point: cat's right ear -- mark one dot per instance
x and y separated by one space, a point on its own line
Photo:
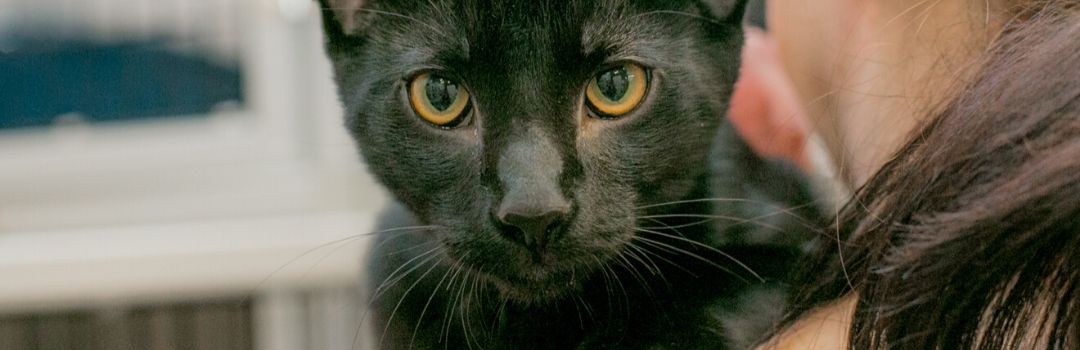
341 18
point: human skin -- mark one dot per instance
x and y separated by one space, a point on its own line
861 74
866 71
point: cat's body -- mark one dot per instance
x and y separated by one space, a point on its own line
553 218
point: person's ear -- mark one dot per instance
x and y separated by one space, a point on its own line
765 109
341 17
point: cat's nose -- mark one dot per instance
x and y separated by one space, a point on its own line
533 225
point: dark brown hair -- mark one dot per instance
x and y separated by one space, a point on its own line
969 238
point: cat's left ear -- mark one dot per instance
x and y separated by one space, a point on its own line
341 17
730 11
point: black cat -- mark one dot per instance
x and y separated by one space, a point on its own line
566 177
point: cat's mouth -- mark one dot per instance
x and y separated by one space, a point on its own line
532 281
537 285
537 276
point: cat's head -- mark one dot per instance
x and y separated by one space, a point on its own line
532 131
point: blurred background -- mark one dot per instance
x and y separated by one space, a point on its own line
175 175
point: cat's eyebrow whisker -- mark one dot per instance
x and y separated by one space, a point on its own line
402 16
680 13
698 257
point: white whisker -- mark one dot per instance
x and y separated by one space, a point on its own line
389 321
698 257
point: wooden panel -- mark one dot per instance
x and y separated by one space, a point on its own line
16 333
215 325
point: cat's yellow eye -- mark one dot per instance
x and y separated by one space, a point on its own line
438 100
617 91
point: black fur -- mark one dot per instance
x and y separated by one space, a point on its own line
605 281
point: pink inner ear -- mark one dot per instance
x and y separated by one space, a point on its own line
765 109
347 12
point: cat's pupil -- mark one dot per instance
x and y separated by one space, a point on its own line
614 83
441 93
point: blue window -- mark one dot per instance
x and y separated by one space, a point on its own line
41 79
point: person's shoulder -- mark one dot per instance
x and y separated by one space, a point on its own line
823 329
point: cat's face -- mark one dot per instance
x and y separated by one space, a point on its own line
530 132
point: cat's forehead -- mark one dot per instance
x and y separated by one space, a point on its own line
535 31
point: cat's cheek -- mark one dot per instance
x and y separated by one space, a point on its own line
434 177
605 204
604 195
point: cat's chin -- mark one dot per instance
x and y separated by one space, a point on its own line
541 289
531 295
